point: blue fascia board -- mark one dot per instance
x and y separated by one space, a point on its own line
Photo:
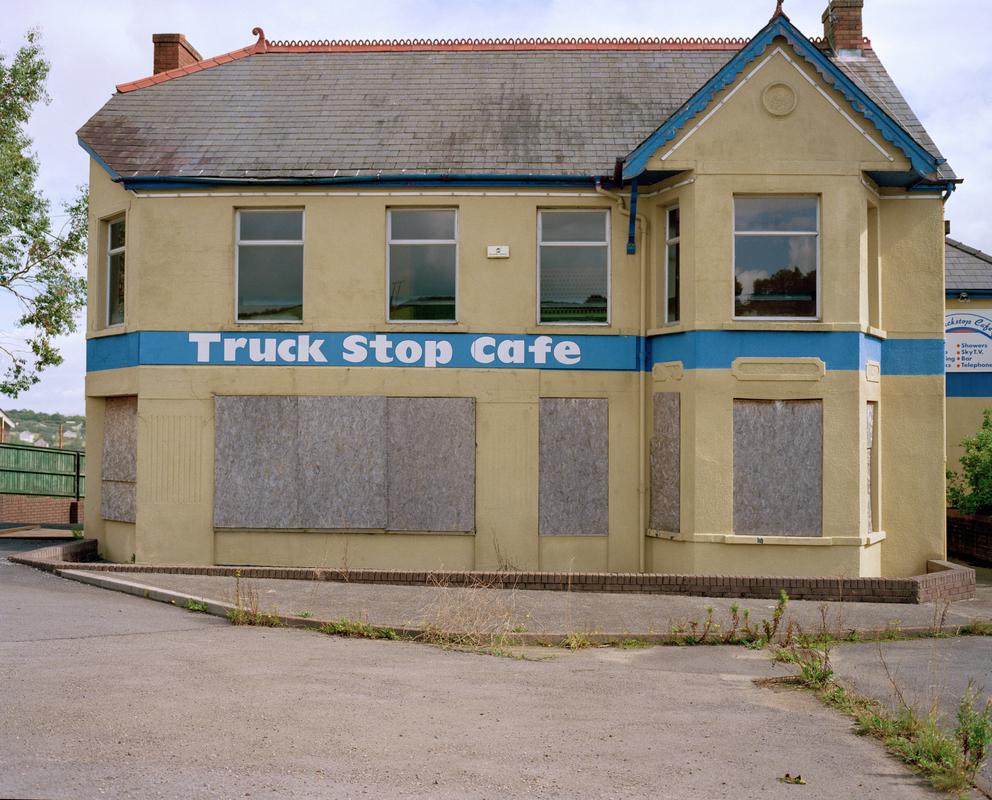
165 182
923 163
706 349
953 294
93 154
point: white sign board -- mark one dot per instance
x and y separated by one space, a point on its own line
968 341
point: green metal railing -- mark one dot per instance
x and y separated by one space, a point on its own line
25 469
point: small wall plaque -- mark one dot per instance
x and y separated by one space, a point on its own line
498 251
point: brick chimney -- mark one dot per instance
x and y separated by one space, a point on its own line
172 51
842 27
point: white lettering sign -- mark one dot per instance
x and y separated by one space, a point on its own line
380 349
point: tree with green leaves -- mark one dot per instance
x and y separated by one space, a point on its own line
39 265
971 492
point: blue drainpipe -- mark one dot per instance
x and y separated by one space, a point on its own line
631 240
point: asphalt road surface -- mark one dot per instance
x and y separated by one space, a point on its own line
108 695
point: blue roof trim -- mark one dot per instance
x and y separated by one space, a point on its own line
923 163
457 179
92 153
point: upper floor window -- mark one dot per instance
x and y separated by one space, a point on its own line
574 266
776 257
115 271
269 265
672 258
422 264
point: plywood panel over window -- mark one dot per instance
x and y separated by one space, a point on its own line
255 466
345 463
574 466
431 463
778 467
665 454
342 462
120 458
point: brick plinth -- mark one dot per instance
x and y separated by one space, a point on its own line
943 581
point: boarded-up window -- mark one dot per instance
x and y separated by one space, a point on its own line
348 463
665 451
574 466
778 467
119 473
431 463
871 477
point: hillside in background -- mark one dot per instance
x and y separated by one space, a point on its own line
37 428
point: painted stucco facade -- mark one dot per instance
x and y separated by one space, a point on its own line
687 412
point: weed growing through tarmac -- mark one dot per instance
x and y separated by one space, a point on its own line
358 630
949 759
478 617
196 605
632 644
246 610
576 641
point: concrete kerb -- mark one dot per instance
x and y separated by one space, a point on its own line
547 638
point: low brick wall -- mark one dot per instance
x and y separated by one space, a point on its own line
969 536
32 509
943 581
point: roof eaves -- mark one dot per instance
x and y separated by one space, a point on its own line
923 163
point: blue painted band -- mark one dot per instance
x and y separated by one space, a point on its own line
969 384
912 356
839 350
453 350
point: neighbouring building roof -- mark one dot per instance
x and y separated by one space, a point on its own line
339 109
965 268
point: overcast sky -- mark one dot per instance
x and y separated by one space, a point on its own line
937 52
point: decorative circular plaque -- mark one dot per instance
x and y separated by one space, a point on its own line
779 99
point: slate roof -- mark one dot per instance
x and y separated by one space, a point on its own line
965 268
360 112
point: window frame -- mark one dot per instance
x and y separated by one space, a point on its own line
271 242
608 233
677 241
733 255
112 251
390 242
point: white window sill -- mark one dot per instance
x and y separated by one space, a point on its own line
864 540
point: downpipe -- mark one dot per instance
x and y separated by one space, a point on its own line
620 200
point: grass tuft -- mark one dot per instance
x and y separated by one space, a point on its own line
358 630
